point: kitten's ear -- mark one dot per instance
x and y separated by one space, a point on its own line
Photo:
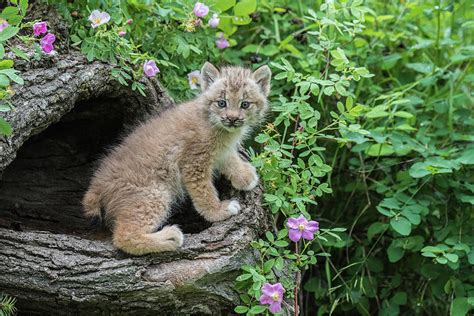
209 74
262 76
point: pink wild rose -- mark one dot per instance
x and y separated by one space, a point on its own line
122 33
272 294
3 24
214 21
98 18
40 28
222 42
47 43
200 9
150 69
300 227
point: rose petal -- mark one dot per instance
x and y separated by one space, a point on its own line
292 223
47 48
275 307
279 288
267 289
264 299
308 235
312 226
295 234
105 17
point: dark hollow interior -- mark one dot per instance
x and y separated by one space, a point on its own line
43 187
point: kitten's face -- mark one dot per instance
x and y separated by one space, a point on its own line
236 97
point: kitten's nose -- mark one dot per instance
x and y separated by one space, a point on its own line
232 119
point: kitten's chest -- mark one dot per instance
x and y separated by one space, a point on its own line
221 157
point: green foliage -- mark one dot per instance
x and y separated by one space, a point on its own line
176 36
13 15
387 102
7 305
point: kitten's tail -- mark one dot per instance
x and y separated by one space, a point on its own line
91 203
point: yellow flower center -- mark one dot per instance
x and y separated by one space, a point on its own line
195 80
301 227
276 297
97 20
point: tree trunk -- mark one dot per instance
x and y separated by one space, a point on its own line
67 114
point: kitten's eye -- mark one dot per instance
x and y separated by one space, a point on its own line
245 105
221 103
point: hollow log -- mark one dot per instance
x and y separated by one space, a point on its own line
68 113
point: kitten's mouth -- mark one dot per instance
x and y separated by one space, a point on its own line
233 125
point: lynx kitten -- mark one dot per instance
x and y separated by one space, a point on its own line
177 153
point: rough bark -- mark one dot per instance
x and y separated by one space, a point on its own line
67 113
65 274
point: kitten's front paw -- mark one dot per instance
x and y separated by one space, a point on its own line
233 207
228 208
246 179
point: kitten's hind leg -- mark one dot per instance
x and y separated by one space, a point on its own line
134 229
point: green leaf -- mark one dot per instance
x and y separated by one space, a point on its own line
400 298
267 266
349 103
11 73
281 243
5 107
341 89
226 25
403 114
241 309
245 7
4 81
23 6
20 53
467 157
2 51
5 128
282 233
7 63
389 61
377 150
9 12
328 90
269 236
258 309
420 67
394 252
401 225
374 229
441 260
241 20
244 277
451 257
223 5
419 170
460 306
279 263
7 33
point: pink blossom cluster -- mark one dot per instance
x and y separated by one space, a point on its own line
201 10
46 43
